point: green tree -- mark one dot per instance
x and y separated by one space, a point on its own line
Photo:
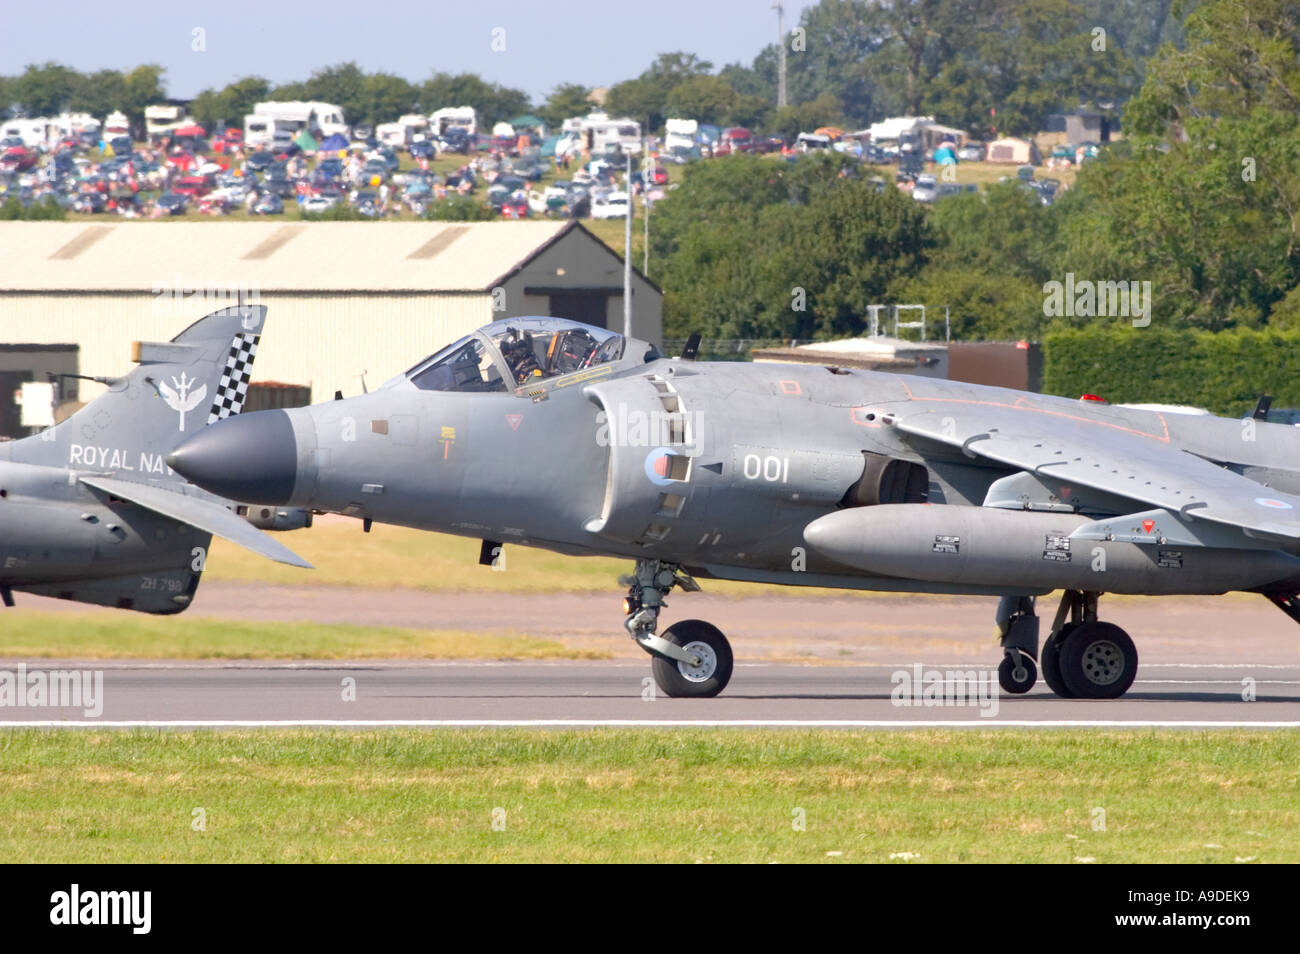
1239 55
710 99
645 98
230 105
566 101
46 90
492 102
754 248
825 110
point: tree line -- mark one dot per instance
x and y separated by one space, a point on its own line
1201 199
984 65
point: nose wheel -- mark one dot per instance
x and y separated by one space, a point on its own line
704 679
692 659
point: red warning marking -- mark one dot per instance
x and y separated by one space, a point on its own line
791 387
1148 525
514 420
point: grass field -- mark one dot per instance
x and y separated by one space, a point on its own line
135 636
626 795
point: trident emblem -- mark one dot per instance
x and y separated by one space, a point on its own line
181 398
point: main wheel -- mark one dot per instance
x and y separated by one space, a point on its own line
710 677
1049 661
1098 661
1017 679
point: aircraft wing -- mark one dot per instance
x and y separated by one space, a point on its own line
205 515
1107 456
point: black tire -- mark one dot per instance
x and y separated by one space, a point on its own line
1098 661
1049 662
1007 675
675 679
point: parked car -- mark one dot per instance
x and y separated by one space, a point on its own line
90 202
924 189
260 160
17 159
173 203
193 186
515 206
972 152
946 189
367 203
268 203
319 203
611 206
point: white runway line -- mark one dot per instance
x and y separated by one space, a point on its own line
643 724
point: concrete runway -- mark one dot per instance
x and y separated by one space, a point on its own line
801 660
615 693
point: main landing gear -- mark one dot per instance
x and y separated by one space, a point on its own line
692 658
1083 658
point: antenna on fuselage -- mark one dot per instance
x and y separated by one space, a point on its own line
692 347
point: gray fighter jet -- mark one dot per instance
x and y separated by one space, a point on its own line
89 509
548 433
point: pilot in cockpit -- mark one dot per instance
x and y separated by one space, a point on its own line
520 355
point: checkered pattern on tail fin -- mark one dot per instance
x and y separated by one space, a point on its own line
233 387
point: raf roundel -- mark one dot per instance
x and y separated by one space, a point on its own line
1272 503
658 465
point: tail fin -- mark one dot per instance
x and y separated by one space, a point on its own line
198 377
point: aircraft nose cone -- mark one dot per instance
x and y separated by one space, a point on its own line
250 458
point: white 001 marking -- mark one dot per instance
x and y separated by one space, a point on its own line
771 469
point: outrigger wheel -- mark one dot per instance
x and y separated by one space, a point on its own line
1017 676
682 680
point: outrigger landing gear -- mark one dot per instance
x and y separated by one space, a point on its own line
1085 658
692 658
1018 631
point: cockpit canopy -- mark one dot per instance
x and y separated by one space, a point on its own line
516 352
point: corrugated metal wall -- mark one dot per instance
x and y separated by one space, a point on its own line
325 341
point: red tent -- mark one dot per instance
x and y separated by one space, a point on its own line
193 130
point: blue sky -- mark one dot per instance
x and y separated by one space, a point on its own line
593 43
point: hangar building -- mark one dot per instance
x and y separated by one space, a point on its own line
344 298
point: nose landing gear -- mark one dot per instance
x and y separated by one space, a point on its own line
692 658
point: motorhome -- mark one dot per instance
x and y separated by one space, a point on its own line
319 119
164 119
267 132
599 134
38 133
462 118
116 124
681 133
74 124
398 134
